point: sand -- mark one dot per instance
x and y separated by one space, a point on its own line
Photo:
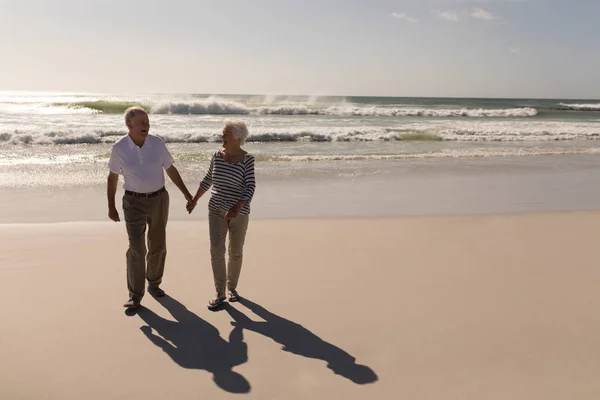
439 307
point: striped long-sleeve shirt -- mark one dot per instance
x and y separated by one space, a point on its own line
231 182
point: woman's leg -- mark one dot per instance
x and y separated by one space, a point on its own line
217 227
237 235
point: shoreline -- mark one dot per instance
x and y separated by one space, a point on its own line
357 218
367 189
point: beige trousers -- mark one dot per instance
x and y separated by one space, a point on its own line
219 227
145 264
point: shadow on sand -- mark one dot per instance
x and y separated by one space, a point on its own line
296 339
193 343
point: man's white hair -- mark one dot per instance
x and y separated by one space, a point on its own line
131 112
238 129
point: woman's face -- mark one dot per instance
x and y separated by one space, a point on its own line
229 141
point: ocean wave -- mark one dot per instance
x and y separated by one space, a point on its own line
192 131
582 107
103 106
373 111
356 135
220 106
446 153
59 138
211 105
431 112
470 152
475 152
297 109
264 136
44 109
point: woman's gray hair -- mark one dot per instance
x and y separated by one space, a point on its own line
131 113
238 129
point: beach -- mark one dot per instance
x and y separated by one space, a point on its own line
452 265
411 189
454 307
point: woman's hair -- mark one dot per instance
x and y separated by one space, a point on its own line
238 129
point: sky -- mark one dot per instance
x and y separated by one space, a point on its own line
435 48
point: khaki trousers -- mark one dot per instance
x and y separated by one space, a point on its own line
219 227
141 212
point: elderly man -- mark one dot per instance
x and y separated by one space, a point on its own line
141 158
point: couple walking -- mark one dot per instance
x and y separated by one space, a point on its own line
141 159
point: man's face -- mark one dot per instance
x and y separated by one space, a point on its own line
139 124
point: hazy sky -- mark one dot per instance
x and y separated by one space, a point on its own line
483 48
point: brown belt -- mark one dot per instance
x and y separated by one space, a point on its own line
146 195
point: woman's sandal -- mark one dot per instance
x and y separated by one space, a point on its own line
233 296
216 302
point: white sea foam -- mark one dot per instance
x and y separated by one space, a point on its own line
445 153
193 131
425 112
582 107
219 106
211 105
41 159
294 109
42 109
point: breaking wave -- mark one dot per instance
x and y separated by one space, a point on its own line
582 107
204 106
219 106
488 131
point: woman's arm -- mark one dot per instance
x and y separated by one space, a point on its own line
250 182
207 181
205 184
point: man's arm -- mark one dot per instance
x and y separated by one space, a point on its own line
111 191
176 178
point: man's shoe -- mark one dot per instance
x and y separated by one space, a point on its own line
131 303
156 291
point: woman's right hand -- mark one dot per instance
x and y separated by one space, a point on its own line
191 205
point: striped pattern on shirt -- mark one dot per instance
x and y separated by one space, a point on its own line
231 182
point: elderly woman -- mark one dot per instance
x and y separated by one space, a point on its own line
231 175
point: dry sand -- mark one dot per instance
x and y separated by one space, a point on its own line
458 307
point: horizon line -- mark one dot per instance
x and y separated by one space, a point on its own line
108 93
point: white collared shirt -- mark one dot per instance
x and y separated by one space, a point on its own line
141 167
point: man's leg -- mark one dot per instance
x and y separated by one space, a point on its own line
237 235
217 226
134 211
157 240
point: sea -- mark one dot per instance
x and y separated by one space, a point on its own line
55 142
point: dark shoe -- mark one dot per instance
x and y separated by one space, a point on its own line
131 303
233 296
215 303
156 291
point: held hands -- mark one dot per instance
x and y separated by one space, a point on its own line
191 204
231 214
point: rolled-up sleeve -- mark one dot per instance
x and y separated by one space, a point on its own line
208 178
249 180
165 156
115 164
